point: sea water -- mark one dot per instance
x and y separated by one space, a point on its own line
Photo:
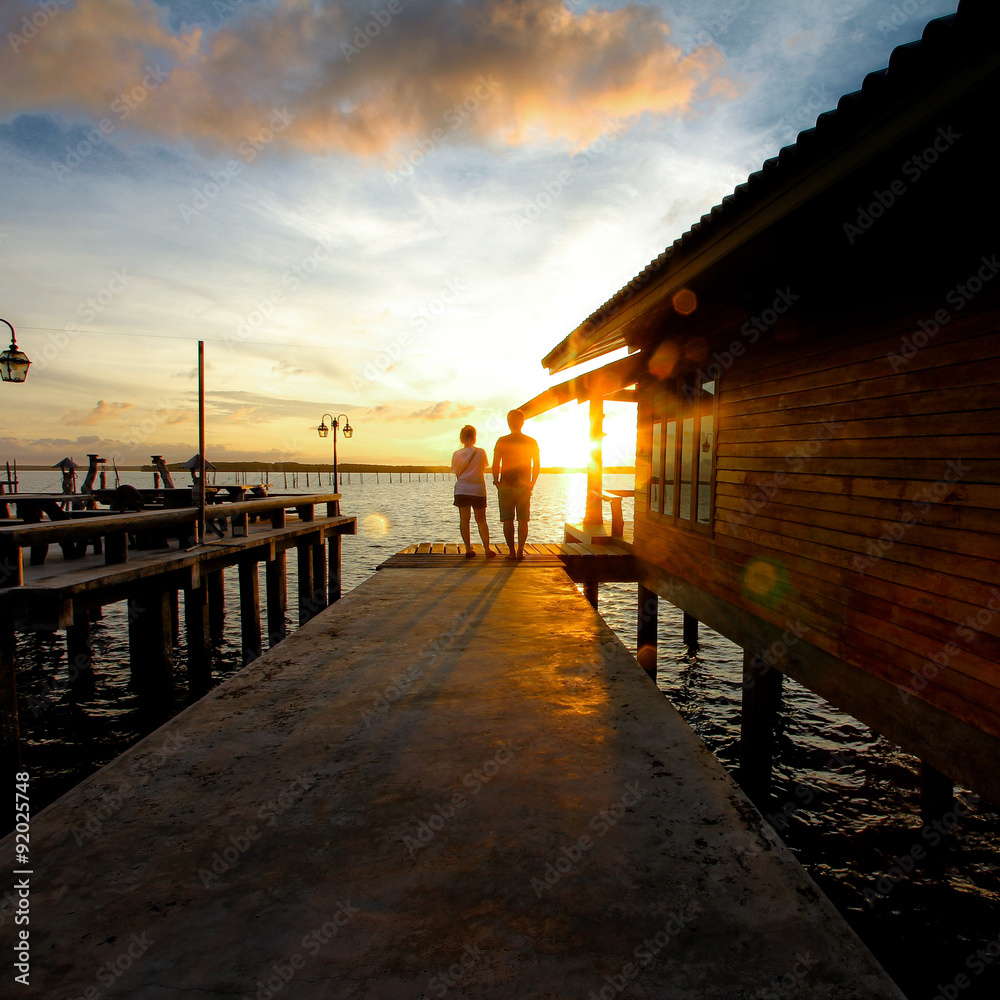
845 800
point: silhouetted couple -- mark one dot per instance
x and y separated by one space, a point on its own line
515 470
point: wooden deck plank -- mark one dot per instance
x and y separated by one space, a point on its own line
429 821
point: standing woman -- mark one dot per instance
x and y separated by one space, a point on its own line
469 463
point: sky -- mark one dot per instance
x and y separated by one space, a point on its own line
388 209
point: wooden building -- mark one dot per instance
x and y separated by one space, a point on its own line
816 365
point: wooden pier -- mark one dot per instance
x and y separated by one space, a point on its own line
454 780
78 565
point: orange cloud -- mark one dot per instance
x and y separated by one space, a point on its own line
101 413
497 71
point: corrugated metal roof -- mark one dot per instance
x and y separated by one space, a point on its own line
912 66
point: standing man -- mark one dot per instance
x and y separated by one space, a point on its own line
515 469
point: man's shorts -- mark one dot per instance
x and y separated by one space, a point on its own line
515 502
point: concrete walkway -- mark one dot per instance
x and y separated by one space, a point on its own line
453 782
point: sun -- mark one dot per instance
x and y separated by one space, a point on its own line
563 435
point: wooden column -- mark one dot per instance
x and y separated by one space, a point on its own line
199 638
591 590
175 615
937 793
647 622
319 575
9 734
761 701
150 644
334 568
595 467
216 584
690 631
250 610
276 586
305 566
79 655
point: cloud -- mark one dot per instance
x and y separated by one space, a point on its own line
284 368
101 413
350 80
445 410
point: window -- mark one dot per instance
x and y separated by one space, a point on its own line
682 457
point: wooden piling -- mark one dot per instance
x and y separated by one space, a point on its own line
250 610
80 656
276 587
646 629
319 575
305 567
199 638
937 793
761 701
150 642
9 732
334 578
216 584
689 630
591 590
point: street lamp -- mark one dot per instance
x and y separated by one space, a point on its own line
323 431
13 363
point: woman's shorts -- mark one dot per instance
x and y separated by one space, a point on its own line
468 500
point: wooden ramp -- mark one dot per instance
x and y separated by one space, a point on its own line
454 781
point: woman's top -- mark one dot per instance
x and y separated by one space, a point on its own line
468 465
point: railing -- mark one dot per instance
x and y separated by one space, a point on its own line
109 533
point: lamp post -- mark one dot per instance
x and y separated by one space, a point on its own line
13 363
323 431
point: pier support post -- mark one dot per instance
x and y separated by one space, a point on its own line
319 575
10 750
761 701
648 616
937 793
334 568
249 610
305 563
150 644
216 584
276 586
199 638
79 655
591 590
690 631
594 511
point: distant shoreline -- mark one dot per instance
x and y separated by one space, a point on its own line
321 467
